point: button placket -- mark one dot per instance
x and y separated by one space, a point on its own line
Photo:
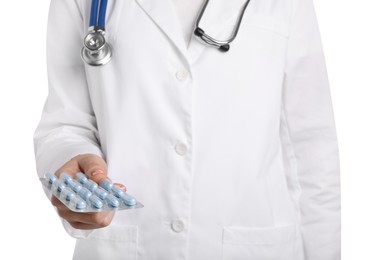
181 148
182 75
181 151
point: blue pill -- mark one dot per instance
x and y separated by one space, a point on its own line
55 185
95 202
84 193
67 194
80 203
81 178
65 177
118 192
60 185
100 192
128 200
74 185
52 179
90 185
106 184
112 201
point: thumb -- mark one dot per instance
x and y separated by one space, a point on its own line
93 166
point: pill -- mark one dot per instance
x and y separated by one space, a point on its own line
100 192
106 184
84 193
81 194
67 194
60 185
79 203
81 178
74 185
90 185
52 178
112 201
54 186
118 192
65 177
95 202
128 199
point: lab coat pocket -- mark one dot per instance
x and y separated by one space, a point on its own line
272 243
269 23
113 242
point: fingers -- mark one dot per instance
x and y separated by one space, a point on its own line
82 220
121 186
81 226
96 169
94 220
71 167
56 202
93 166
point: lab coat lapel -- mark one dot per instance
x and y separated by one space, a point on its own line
163 13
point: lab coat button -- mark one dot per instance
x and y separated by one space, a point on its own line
181 149
178 225
182 75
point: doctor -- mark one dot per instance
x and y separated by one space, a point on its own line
233 154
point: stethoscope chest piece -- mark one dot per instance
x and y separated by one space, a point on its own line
96 51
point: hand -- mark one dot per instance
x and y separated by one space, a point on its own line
96 169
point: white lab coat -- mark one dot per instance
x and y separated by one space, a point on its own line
234 155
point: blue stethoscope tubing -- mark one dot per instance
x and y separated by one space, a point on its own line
98 14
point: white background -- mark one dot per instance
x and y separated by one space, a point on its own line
30 226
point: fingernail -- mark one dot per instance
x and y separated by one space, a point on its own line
97 172
121 186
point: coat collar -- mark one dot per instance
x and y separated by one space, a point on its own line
163 13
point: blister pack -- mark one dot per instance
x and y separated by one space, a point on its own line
80 194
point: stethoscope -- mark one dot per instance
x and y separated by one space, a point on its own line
97 52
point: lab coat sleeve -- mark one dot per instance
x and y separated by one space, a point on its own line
310 137
68 124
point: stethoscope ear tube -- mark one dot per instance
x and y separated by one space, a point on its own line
223 46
